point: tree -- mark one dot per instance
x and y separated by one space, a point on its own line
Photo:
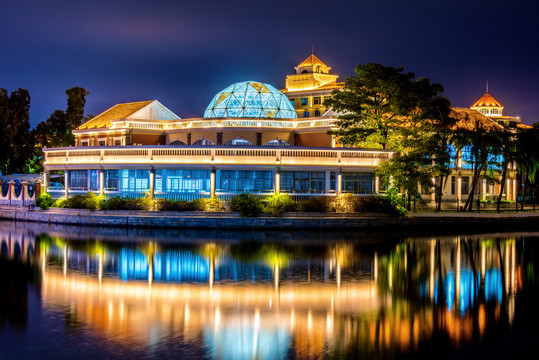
16 143
375 102
76 99
527 158
384 107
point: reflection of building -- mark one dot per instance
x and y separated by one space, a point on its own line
249 140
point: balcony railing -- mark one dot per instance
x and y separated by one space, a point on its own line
224 123
160 156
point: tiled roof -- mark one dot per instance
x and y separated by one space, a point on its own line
468 119
312 60
487 100
119 111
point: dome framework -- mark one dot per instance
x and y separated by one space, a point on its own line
250 99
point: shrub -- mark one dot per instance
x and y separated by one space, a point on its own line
93 201
214 204
173 205
44 201
396 202
248 205
343 203
279 203
314 204
60 203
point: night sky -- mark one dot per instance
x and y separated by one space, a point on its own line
181 53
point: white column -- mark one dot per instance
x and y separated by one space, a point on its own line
101 181
514 197
338 184
459 190
484 197
46 180
212 181
66 183
152 183
508 190
277 184
376 185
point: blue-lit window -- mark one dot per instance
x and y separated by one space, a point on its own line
292 101
304 101
495 162
452 151
182 180
128 180
78 179
356 182
303 181
244 181
467 157
305 114
238 142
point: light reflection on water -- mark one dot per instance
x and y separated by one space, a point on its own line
264 299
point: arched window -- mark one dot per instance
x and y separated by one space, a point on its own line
203 142
494 111
238 141
277 142
177 142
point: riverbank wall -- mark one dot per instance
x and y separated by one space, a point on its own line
296 221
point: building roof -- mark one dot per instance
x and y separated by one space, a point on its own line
119 111
487 100
250 99
524 126
468 119
312 60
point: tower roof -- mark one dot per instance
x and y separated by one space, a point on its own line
311 61
487 100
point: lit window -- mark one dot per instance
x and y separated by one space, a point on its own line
317 113
292 101
277 142
317 100
101 143
117 142
304 101
305 114
238 142
84 143
203 142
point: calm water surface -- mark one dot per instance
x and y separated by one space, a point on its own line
87 293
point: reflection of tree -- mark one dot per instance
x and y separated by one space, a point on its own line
15 279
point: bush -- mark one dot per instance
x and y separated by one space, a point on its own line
44 201
314 204
93 201
280 203
214 204
248 205
343 203
60 203
395 202
174 205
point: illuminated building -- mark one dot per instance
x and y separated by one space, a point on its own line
310 86
491 108
249 140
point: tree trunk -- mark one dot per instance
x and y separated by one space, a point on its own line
475 179
502 185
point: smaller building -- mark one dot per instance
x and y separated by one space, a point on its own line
310 87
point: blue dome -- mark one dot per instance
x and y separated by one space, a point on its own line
250 99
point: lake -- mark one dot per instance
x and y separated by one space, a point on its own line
88 292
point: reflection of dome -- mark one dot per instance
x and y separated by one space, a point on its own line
486 100
250 99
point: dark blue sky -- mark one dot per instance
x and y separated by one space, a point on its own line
182 53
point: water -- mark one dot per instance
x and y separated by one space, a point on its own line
87 293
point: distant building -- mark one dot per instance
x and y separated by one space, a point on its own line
310 87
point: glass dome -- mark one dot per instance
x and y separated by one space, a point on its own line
250 99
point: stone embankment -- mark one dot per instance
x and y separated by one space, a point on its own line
228 220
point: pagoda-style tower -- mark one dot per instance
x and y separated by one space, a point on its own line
310 74
488 106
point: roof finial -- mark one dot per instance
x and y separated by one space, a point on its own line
312 48
487 86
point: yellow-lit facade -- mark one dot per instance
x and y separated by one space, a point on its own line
310 87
